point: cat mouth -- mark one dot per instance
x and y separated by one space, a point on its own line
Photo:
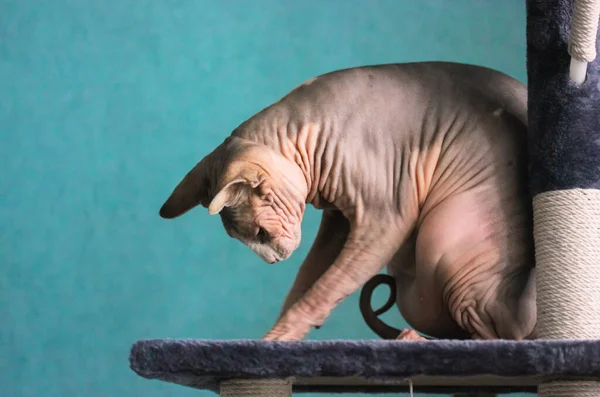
274 258
270 259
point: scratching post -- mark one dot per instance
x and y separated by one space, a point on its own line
568 275
564 123
568 262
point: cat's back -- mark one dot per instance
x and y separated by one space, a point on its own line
414 84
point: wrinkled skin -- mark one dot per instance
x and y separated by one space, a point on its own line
420 168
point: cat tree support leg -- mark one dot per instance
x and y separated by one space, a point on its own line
256 388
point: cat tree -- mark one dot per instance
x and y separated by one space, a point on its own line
564 123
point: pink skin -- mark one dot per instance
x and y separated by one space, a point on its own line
420 168
409 334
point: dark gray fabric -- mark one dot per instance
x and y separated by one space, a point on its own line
201 363
564 120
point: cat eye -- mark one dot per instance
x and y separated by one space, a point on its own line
262 235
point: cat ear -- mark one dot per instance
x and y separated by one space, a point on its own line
238 179
191 191
227 197
226 171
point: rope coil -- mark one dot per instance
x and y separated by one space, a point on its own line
570 388
584 25
256 388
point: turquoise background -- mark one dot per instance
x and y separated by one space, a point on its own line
105 104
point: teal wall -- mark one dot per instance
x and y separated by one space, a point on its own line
105 104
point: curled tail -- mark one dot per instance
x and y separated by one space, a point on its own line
371 316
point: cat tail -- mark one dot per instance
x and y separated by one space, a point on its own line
371 316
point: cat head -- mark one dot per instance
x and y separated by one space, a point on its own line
259 194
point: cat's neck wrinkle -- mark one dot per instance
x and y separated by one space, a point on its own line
305 143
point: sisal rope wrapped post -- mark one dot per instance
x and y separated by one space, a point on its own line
256 388
582 40
567 238
564 124
567 232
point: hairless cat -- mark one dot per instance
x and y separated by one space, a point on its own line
418 167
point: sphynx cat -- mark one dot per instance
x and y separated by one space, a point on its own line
418 167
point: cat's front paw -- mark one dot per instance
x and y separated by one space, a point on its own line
287 329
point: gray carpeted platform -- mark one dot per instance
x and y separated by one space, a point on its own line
369 365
